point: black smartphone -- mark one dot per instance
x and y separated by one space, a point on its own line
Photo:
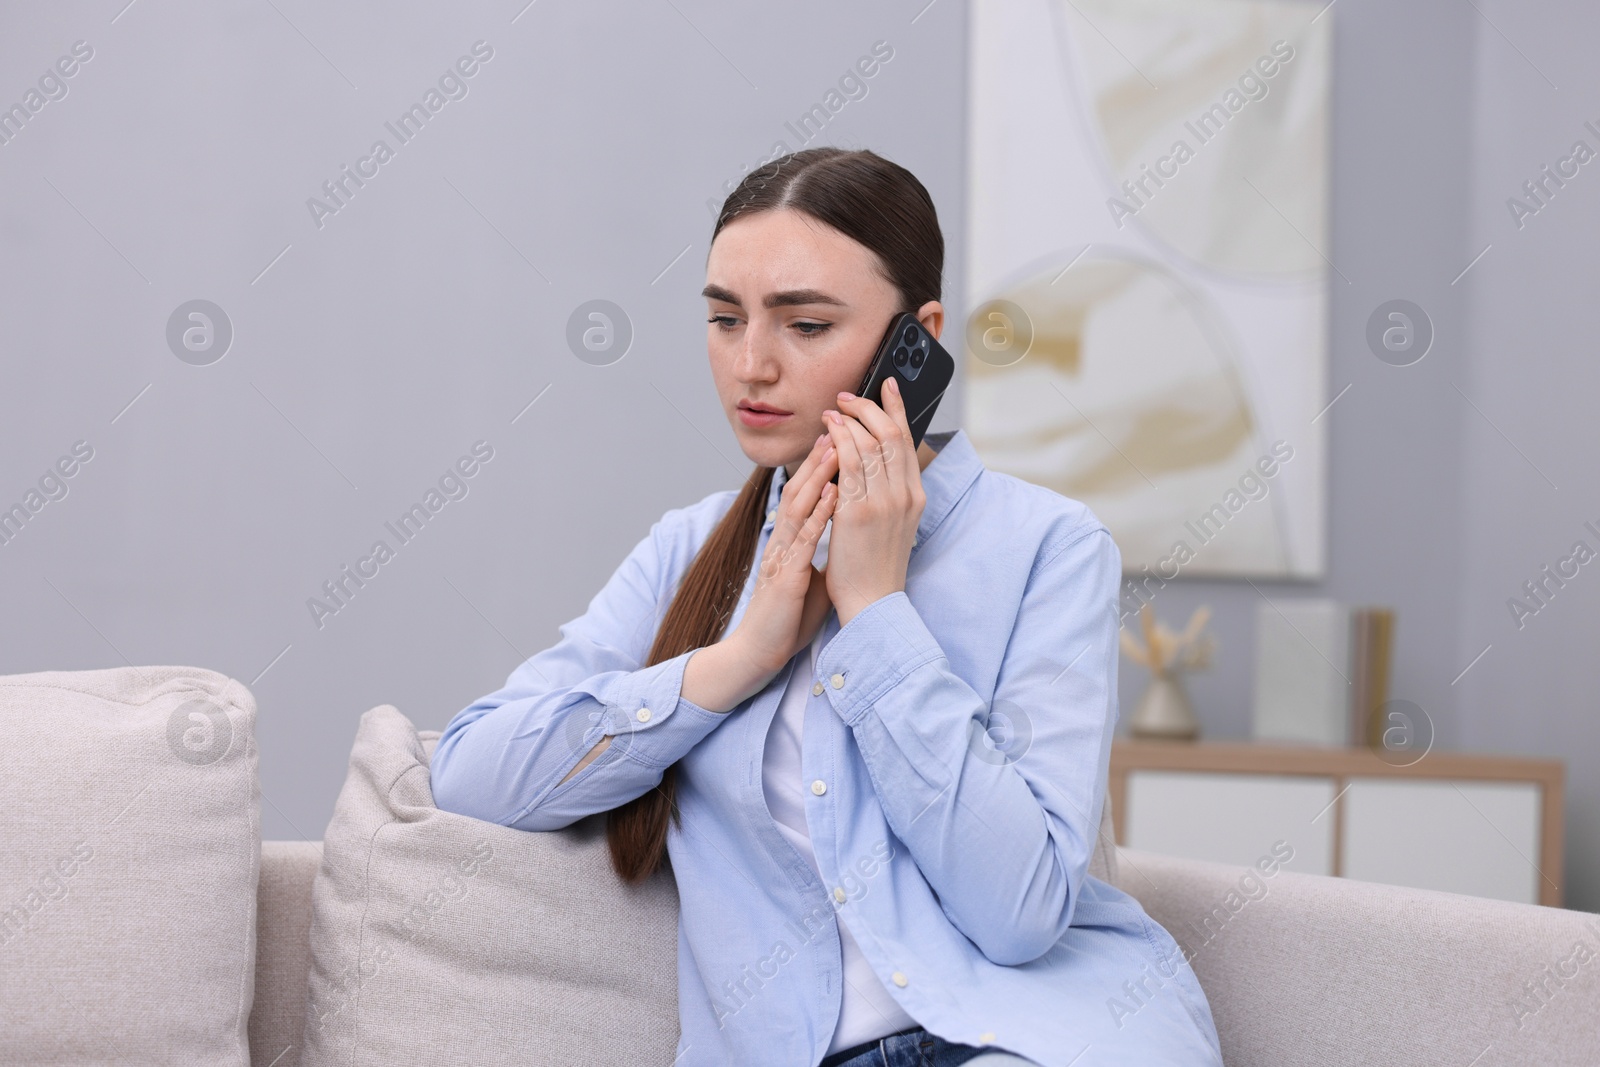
921 367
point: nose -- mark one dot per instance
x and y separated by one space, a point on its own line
754 361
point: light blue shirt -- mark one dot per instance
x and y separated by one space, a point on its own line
959 863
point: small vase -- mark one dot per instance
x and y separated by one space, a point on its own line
1164 712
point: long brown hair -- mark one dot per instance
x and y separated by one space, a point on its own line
882 206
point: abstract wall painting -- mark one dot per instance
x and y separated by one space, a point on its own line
1148 271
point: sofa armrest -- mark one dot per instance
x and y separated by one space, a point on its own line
1305 969
283 951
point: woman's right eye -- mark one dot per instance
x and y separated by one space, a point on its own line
726 322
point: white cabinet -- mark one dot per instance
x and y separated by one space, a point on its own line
1484 826
1478 838
1230 818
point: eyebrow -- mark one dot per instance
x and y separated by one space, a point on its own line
784 299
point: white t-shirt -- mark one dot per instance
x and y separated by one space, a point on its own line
867 1011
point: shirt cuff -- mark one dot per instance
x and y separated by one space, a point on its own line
648 717
886 641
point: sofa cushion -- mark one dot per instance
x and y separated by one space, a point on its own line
438 938
1304 970
128 861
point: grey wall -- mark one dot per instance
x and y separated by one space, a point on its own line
419 319
1528 460
371 352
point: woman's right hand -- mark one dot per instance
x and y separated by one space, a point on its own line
790 600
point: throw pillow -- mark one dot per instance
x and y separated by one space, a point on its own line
130 844
438 938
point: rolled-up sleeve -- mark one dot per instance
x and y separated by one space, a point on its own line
1002 834
503 758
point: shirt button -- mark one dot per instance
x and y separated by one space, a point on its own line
986 1037
819 787
644 715
838 681
899 979
838 894
773 514
816 690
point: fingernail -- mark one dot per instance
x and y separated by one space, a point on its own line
846 396
831 415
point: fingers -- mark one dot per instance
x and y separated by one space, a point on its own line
806 495
894 407
792 545
801 492
852 474
811 532
863 459
885 421
882 433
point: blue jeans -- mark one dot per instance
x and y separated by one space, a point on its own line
918 1048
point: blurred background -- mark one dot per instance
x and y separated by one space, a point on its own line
256 341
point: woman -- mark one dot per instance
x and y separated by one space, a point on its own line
864 877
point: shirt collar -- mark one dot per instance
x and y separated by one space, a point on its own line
945 481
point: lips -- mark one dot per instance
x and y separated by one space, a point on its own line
761 416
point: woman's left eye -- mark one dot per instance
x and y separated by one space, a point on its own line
812 329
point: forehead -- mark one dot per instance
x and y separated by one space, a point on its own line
782 249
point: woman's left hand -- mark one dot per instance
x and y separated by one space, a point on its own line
880 501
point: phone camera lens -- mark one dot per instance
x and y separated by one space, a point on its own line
917 357
900 355
911 335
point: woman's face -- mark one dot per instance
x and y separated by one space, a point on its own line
796 312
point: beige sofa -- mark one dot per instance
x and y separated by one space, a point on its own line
1299 969
130 850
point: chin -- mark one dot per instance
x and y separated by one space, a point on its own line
767 451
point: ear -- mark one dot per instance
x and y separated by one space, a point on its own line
931 315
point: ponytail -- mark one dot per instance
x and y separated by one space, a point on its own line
697 617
